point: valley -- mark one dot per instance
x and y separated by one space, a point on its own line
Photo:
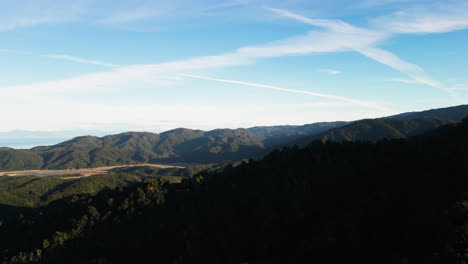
234 132
79 173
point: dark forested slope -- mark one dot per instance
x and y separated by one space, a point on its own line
456 113
33 191
393 201
398 126
375 129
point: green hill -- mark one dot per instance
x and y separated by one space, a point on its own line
456 113
175 146
33 191
392 201
196 146
398 126
376 129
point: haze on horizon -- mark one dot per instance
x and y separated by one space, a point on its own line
111 66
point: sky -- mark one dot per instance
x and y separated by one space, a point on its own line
107 66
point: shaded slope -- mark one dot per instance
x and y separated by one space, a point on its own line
376 129
451 113
394 201
280 135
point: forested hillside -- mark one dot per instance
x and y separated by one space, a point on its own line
33 191
451 113
376 129
196 146
398 126
174 146
393 201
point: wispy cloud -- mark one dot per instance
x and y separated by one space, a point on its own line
373 3
369 49
20 14
460 87
372 105
431 19
405 81
80 60
331 36
16 14
14 23
335 25
412 70
163 73
340 36
330 71
325 104
63 57
126 16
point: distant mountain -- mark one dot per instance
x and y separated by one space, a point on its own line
174 146
23 139
395 201
280 135
376 129
196 146
451 113
403 125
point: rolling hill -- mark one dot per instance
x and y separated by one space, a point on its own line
398 126
456 113
394 201
375 129
175 146
189 146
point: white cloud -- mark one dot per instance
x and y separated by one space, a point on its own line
126 16
405 81
80 60
164 73
16 14
345 38
412 70
368 48
433 19
325 104
372 105
332 36
26 22
26 13
64 57
460 87
334 25
374 3
330 71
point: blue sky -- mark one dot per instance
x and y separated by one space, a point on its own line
113 66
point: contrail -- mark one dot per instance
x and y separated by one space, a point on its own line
334 97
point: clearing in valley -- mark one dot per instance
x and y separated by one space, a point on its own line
78 173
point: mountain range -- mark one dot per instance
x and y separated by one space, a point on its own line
189 146
394 201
